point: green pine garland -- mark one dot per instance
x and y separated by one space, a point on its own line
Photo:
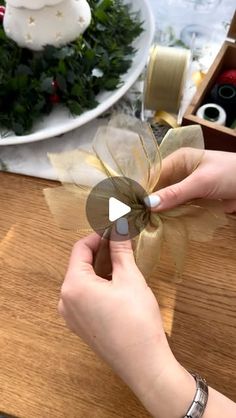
27 79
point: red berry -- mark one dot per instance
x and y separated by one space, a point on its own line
54 98
55 85
2 13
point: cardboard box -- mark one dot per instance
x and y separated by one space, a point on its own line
216 137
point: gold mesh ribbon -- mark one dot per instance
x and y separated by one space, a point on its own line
127 147
165 78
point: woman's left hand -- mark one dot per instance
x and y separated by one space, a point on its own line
120 320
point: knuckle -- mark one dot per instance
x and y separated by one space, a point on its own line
185 151
203 183
182 153
65 293
83 269
122 247
68 292
77 245
172 193
72 291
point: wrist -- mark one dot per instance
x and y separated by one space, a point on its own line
168 394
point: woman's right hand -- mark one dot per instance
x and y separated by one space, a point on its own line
189 174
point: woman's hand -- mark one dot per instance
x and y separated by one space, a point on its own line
189 173
120 320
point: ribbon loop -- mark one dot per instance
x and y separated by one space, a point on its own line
127 148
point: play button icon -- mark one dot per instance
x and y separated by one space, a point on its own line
117 209
115 198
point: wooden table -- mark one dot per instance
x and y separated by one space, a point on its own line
46 371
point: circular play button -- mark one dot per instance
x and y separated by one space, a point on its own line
114 199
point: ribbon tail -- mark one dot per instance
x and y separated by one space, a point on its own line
67 205
176 239
148 246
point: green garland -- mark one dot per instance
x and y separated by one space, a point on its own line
28 79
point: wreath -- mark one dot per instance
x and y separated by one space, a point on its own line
33 83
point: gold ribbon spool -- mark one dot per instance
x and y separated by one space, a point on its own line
165 78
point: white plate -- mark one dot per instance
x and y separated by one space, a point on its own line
60 120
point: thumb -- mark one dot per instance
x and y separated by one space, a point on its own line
177 194
121 251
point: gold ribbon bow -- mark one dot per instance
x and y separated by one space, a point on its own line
127 148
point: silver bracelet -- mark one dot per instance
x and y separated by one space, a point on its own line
199 403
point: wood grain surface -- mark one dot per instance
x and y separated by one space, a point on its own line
46 371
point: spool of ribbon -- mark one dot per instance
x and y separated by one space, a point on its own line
233 126
224 95
227 92
213 113
165 78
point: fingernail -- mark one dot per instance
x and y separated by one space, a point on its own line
122 226
152 201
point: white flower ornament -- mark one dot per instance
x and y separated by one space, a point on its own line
33 24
